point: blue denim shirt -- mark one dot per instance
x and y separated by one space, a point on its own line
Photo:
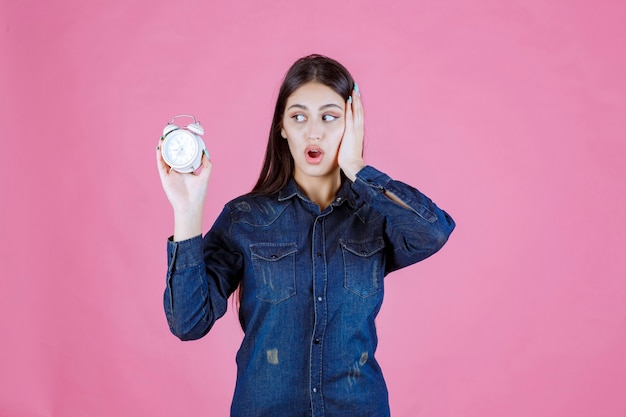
312 285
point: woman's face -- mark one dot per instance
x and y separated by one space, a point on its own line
313 124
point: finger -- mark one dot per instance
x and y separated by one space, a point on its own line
349 115
164 168
160 162
357 104
357 108
207 166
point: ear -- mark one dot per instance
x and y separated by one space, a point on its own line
283 133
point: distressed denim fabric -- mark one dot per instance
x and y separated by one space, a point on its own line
312 285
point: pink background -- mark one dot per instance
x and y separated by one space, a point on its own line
510 114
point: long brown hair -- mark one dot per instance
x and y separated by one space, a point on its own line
278 164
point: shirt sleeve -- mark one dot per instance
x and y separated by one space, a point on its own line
412 234
202 273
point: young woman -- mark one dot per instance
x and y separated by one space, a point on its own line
307 251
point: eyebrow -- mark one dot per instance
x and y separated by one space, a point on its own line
303 107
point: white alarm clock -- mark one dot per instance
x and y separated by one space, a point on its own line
182 147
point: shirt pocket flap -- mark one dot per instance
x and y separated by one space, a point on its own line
364 248
272 251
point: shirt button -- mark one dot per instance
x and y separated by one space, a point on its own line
314 389
319 254
319 298
316 341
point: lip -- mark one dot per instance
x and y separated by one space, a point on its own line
316 158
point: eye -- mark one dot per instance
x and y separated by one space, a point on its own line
328 117
298 117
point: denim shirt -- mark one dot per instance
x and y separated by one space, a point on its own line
312 285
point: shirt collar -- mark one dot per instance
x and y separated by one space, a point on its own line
292 190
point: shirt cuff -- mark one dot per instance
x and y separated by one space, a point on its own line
185 253
370 184
370 181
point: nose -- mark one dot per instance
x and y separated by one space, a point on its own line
316 129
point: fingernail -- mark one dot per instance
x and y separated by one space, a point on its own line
206 153
350 99
356 89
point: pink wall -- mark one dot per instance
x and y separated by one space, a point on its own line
511 115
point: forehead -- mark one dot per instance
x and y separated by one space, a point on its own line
314 94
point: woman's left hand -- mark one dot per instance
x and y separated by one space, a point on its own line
350 156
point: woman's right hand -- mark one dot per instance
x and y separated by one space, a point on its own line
186 193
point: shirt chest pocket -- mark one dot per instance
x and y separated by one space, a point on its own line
274 270
363 263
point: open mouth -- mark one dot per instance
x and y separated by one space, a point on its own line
314 155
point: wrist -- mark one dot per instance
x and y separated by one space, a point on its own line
187 224
350 170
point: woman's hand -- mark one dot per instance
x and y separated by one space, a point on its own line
350 156
186 193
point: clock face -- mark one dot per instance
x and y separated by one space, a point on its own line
180 148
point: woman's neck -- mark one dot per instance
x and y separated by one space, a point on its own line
320 190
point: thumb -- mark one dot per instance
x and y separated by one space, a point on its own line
207 166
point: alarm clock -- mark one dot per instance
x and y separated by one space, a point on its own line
182 147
